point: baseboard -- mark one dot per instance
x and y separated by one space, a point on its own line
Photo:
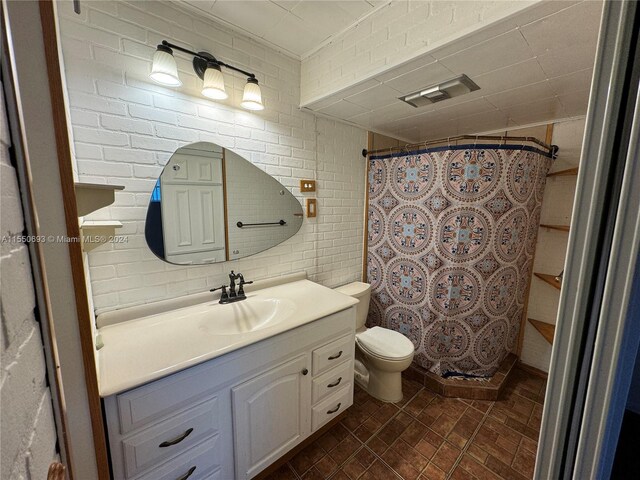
532 370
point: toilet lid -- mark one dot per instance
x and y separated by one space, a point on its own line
385 343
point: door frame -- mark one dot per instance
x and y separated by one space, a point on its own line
587 387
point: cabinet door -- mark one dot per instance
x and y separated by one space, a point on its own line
270 415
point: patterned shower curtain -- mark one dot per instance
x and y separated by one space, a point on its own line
451 237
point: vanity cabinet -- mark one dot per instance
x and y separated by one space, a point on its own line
234 415
280 399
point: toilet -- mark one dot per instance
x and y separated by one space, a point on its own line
381 354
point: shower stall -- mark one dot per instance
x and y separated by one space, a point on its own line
451 237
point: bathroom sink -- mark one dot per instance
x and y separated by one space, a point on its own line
246 316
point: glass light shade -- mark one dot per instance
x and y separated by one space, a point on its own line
252 97
164 69
213 86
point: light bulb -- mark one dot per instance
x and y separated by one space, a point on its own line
252 97
164 69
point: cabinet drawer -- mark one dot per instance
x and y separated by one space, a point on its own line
167 439
332 354
332 381
332 406
198 463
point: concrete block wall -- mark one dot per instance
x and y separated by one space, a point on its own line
551 247
394 34
125 128
27 427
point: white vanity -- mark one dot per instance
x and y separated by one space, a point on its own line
211 391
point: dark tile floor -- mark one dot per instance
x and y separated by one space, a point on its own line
429 437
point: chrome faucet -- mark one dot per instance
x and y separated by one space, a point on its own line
233 295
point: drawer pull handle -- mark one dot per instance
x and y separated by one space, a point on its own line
329 412
188 474
176 440
305 371
333 357
335 384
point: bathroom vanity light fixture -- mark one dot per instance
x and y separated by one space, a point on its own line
209 69
442 91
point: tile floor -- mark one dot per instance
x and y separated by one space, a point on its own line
429 437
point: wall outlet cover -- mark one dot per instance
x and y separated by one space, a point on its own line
312 207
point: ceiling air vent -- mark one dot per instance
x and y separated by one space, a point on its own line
437 93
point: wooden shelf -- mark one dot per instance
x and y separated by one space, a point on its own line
550 279
562 228
94 196
547 330
561 173
99 231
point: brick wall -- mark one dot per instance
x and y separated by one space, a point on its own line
125 128
27 426
394 34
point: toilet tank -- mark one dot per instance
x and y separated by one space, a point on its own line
361 291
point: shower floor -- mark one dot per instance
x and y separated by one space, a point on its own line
429 437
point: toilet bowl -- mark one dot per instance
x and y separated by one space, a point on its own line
381 354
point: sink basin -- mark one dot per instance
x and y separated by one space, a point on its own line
245 316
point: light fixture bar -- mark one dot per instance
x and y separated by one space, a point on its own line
207 58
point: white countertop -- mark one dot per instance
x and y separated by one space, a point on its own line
148 348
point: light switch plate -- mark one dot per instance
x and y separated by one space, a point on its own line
307 185
312 207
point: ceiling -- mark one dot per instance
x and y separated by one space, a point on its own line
531 68
537 71
296 27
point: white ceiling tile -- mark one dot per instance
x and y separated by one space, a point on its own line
467 108
575 103
375 97
523 73
405 67
572 26
421 77
500 51
537 111
574 82
343 109
290 27
395 111
355 8
562 61
286 4
204 5
325 19
255 17
516 96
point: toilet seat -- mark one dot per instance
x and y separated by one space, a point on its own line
385 344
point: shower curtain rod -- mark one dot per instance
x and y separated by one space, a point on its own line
552 149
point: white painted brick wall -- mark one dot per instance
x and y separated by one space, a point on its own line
125 128
395 34
27 427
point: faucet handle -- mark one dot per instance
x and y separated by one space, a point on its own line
224 294
242 284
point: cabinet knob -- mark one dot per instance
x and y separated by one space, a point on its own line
305 371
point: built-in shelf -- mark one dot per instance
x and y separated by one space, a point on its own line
550 279
97 232
562 228
547 330
561 173
94 196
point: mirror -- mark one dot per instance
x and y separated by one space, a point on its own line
211 205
